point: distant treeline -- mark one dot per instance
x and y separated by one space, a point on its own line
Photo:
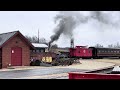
34 39
117 45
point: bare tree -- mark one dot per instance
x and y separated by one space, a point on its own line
43 41
32 39
54 46
98 45
110 46
117 45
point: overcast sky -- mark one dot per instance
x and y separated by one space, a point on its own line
28 23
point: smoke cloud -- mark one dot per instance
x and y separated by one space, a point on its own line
69 20
109 18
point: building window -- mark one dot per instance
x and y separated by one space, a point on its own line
33 50
37 51
42 51
84 51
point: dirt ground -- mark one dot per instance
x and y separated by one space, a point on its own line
90 64
114 61
86 64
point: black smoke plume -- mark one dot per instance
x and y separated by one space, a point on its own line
69 20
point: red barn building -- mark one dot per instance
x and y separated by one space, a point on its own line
14 50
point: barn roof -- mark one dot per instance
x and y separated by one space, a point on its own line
39 45
5 37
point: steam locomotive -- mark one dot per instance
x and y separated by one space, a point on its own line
93 52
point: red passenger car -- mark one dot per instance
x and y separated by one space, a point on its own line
80 52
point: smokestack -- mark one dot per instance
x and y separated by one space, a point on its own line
72 42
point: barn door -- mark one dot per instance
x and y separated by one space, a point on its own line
16 56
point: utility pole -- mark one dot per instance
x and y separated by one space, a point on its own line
38 35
